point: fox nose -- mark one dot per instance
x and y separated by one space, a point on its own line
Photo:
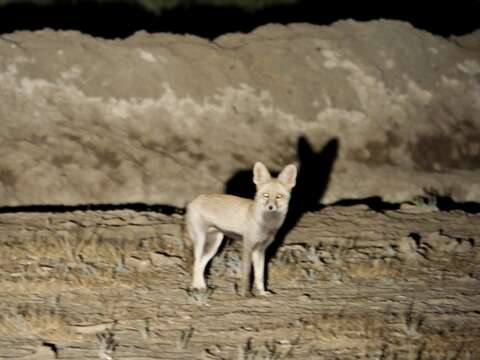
271 207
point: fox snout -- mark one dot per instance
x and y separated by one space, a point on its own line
273 203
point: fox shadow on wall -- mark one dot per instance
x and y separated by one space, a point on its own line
312 182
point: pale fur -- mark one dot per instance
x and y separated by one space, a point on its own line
257 221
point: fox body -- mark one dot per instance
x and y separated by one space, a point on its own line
210 217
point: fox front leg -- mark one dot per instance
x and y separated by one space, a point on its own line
258 257
246 269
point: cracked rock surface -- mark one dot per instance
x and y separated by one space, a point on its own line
159 118
349 283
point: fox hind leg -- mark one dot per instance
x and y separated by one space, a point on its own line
199 237
213 241
207 247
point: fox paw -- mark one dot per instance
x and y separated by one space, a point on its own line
264 293
199 294
242 290
197 289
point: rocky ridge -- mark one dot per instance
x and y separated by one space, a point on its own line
159 118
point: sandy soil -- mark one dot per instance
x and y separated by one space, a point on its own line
349 283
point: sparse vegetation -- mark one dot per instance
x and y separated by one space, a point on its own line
269 350
106 344
426 202
185 336
412 322
66 281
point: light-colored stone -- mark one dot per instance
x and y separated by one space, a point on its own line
160 259
43 353
137 264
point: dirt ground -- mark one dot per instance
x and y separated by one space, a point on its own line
348 283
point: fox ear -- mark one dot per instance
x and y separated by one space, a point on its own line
288 176
260 174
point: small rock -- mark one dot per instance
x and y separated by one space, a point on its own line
44 352
137 264
158 259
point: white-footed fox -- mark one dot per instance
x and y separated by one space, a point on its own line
257 221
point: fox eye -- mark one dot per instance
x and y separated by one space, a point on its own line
266 195
279 196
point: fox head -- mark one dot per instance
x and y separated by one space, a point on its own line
273 194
